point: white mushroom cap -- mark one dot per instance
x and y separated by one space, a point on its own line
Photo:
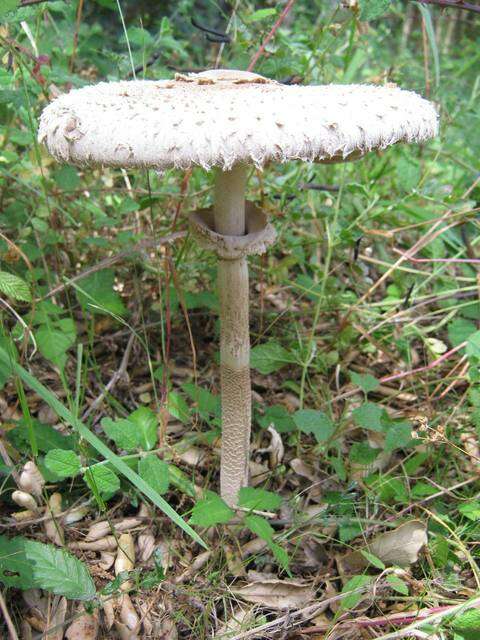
219 118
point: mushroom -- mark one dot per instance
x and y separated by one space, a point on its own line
229 120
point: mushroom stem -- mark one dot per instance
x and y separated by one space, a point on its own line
229 212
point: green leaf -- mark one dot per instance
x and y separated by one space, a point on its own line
14 287
64 464
261 14
46 437
102 479
67 178
279 417
53 402
259 499
373 560
366 381
96 294
399 436
8 5
146 422
397 585
467 624
15 569
470 510
473 345
54 339
315 422
155 473
207 403
59 572
423 490
460 330
362 453
372 9
369 416
408 172
269 357
356 585
259 526
211 510
123 432
177 407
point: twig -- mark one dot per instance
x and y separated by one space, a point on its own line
114 379
8 621
107 262
453 4
445 260
272 32
307 613
432 365
29 3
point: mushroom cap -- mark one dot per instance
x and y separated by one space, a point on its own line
223 117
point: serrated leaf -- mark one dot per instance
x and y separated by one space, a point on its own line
467 624
155 473
96 294
14 287
261 14
362 453
269 357
372 559
54 339
146 422
59 572
314 422
473 345
355 588
259 526
372 9
279 417
8 5
470 510
365 381
397 585
211 510
207 403
102 479
123 432
259 499
460 330
15 569
46 437
177 407
370 416
64 464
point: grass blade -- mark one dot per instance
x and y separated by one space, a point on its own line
102 449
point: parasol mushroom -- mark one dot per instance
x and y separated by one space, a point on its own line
227 120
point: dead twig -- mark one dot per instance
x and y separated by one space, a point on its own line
122 369
270 35
453 4
107 262
8 621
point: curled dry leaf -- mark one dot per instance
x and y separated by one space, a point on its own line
109 612
277 594
302 469
146 546
57 618
193 456
196 565
238 620
21 516
125 560
75 515
84 627
53 528
106 544
399 547
103 528
107 558
31 480
25 500
276 448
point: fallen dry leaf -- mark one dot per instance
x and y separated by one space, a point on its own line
84 627
399 547
277 594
